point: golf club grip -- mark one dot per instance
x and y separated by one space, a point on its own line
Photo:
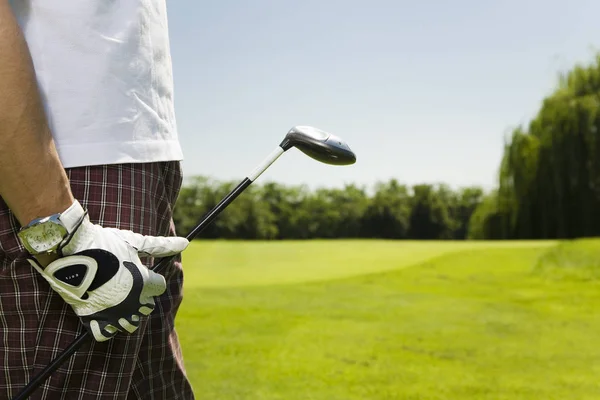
77 343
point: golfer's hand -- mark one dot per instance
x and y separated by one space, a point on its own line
101 276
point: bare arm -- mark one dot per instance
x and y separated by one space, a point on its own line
33 182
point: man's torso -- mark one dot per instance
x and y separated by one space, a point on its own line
104 70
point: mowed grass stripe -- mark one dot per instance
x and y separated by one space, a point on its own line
240 263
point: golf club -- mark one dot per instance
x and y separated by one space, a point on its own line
315 143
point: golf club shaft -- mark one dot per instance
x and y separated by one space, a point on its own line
206 220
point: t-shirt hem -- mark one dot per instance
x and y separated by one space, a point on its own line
92 154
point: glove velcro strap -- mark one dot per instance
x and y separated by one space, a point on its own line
72 217
73 274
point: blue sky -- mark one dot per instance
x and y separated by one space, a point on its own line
422 91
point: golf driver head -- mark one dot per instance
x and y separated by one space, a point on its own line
319 145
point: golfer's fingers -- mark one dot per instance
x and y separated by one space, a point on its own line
156 246
102 332
147 306
130 325
155 285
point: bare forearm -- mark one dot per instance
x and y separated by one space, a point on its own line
33 182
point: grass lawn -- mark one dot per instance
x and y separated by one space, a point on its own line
362 320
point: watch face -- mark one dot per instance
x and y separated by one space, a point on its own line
44 237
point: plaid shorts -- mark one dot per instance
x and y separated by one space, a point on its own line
36 324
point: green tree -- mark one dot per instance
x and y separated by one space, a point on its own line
488 219
388 212
467 201
277 211
549 184
288 205
429 217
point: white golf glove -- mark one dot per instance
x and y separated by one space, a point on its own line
103 279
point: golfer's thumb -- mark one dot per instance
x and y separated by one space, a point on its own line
156 246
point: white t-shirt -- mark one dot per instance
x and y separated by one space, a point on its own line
104 69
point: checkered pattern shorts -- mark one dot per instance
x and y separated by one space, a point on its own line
36 324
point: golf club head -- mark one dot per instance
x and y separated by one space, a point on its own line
319 145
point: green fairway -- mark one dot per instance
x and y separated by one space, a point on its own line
239 263
348 320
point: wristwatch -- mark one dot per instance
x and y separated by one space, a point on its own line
45 235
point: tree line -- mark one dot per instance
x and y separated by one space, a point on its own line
548 187
277 211
549 180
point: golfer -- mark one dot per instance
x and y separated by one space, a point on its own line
89 173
